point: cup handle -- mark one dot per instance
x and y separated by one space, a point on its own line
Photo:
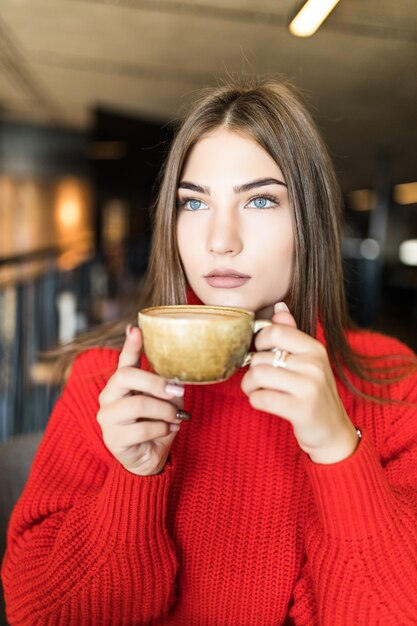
257 326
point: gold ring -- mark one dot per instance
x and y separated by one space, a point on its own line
280 358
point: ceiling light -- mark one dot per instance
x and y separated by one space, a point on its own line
406 193
311 16
408 252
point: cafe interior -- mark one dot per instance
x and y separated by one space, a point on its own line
90 91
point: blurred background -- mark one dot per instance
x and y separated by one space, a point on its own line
88 93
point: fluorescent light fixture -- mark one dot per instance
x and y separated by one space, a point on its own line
311 16
408 252
406 193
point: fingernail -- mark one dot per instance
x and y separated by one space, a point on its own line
128 329
174 427
183 415
281 306
174 390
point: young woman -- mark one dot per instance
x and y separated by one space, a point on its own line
290 496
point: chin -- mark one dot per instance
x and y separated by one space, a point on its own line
228 298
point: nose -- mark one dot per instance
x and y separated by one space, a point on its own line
224 235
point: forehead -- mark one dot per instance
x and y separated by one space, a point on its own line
228 155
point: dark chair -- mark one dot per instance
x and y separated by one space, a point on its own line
16 457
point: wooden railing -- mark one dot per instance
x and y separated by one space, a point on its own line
31 287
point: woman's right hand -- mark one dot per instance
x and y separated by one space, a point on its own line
139 412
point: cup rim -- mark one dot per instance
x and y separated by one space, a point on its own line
187 307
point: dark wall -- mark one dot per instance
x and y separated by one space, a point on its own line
140 147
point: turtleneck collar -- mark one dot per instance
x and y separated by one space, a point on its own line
192 298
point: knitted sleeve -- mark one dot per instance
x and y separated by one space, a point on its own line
87 541
361 541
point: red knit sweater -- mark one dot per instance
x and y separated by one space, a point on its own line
240 529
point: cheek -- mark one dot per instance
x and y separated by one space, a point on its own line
274 243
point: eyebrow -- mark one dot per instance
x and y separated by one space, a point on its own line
260 182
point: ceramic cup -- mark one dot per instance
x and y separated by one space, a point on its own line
197 344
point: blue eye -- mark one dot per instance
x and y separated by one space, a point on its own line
191 204
262 202
194 204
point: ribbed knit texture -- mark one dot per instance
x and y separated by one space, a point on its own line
240 529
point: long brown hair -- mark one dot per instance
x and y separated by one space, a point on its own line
273 114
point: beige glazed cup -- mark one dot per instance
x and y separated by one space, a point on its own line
197 344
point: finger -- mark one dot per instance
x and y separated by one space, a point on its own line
284 318
128 379
129 409
276 403
267 358
276 379
287 338
308 366
140 432
282 315
132 347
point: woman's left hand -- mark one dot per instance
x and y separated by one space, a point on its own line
304 392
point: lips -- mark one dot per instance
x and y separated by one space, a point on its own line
225 278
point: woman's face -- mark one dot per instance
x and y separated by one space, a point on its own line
234 228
